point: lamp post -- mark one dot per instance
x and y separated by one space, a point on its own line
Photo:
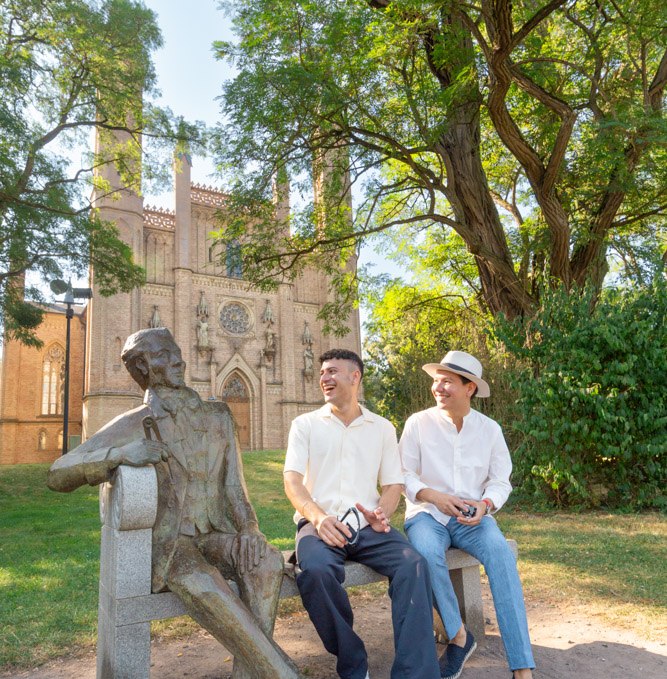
59 286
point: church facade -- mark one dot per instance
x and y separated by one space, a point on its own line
32 391
256 351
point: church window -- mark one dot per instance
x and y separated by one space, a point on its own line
233 259
117 350
53 381
60 440
234 318
234 388
41 440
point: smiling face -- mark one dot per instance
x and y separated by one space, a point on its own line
339 382
450 393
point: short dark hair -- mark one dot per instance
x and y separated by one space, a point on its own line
343 355
465 381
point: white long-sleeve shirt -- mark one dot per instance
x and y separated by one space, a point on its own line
343 465
471 464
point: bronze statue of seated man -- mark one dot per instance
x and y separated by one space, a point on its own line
206 530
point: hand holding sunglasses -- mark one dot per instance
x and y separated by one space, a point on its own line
352 520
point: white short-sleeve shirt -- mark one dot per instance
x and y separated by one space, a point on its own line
343 465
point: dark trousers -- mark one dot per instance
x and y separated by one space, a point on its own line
324 597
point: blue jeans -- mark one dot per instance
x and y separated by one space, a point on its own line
488 545
320 585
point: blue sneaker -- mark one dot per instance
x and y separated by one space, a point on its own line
454 657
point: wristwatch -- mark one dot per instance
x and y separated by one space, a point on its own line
489 505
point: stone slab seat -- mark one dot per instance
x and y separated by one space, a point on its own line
128 507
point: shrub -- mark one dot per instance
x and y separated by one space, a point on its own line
592 392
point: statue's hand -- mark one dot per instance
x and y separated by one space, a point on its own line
249 549
139 453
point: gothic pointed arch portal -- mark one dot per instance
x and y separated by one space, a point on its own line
236 393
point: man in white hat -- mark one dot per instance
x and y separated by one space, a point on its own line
457 468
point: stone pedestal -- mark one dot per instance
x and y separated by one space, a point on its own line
127 510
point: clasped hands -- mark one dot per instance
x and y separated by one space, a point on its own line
455 506
337 534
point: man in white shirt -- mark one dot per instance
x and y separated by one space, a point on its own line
336 457
457 468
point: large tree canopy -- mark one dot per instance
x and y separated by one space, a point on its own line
529 135
67 68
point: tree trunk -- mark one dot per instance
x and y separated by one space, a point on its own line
477 219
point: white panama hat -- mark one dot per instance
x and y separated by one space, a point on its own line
461 363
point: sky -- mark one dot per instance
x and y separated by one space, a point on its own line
189 76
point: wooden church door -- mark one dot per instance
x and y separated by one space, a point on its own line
235 395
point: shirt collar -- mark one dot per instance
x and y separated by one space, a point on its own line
449 420
163 405
366 415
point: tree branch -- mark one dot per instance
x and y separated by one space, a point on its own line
533 22
627 221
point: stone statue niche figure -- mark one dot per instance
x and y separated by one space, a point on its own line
308 359
202 332
206 530
307 337
267 317
155 320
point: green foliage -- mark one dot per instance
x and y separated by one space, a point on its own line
68 68
534 132
591 415
405 331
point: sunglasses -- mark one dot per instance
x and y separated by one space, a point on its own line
352 520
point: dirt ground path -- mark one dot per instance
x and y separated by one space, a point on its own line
566 644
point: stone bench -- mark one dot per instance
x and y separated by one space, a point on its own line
128 507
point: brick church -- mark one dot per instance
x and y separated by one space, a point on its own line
256 351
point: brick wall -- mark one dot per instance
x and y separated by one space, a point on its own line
21 417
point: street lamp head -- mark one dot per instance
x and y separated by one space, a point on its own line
69 296
58 286
82 293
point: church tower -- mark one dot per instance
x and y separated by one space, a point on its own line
183 266
108 388
257 351
332 198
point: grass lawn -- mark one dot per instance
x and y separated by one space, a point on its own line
49 550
